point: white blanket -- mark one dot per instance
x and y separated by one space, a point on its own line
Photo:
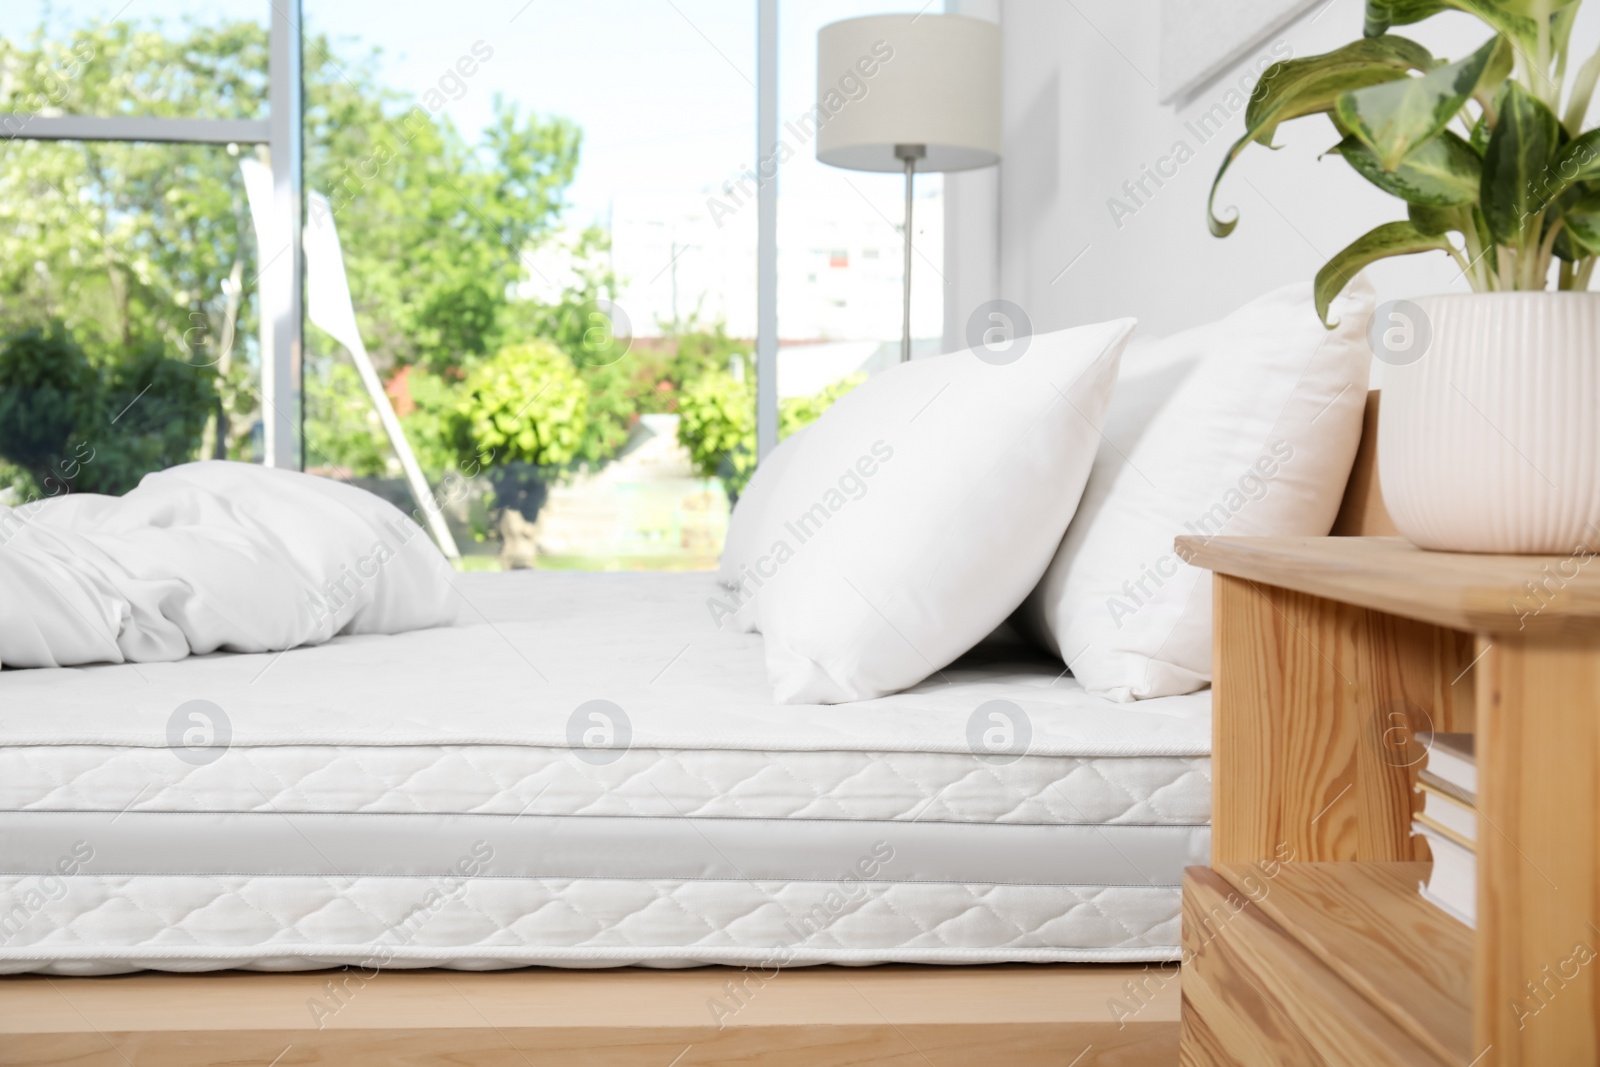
211 556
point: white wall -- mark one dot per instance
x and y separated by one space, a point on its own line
971 222
1082 118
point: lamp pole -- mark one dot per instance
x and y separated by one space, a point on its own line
909 153
766 228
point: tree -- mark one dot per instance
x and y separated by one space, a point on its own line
342 428
124 243
618 394
699 349
434 230
67 424
48 390
648 380
159 406
132 245
145 253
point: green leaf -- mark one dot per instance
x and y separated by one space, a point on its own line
1308 86
1502 63
1305 86
1578 160
1527 8
1382 14
1516 166
1583 224
1390 239
1442 172
1433 220
1480 135
1510 19
1395 117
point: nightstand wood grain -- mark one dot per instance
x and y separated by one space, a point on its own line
1332 655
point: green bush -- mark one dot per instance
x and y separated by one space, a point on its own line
797 412
49 394
342 427
717 423
66 422
525 404
699 350
160 406
427 426
619 393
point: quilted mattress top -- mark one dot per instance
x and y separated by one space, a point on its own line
533 650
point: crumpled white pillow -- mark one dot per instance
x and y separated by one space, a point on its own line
921 509
1246 426
209 556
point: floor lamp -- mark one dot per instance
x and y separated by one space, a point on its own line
908 92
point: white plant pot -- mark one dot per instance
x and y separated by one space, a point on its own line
1489 438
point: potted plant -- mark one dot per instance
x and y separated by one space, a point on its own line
1489 433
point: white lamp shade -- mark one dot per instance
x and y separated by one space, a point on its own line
888 80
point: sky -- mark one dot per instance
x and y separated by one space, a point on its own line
663 89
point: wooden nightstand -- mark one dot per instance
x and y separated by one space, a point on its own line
1306 940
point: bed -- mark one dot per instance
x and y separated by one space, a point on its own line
574 801
428 799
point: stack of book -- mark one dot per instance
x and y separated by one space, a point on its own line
1449 820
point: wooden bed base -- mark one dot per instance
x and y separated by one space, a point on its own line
1069 1014
1065 1015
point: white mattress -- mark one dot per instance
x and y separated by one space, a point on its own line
415 801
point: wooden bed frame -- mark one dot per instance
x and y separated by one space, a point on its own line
1066 1015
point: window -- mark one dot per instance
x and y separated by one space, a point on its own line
130 269
592 287
550 248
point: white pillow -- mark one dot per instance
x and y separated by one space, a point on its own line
739 548
1246 426
921 509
